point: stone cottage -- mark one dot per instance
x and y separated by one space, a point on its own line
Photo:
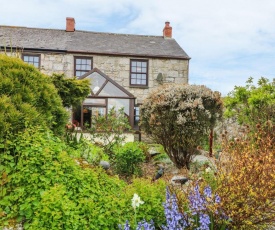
123 68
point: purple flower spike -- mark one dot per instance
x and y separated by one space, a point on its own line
145 226
207 192
197 202
217 199
204 222
126 226
174 219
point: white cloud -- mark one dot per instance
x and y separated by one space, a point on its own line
227 40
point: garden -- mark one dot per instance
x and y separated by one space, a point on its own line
52 177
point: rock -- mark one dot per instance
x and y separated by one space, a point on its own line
179 180
104 164
153 152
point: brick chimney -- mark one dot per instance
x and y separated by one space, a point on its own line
167 31
70 24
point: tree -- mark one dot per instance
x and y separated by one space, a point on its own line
71 90
27 98
252 104
179 117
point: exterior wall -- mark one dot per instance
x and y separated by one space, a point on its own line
118 68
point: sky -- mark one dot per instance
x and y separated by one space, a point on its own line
228 40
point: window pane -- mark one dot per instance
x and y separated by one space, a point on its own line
139 72
111 90
98 111
96 81
34 60
80 73
83 65
93 101
119 103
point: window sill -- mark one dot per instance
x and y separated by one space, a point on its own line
139 86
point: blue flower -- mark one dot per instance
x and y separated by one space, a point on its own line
145 226
126 226
217 199
204 222
197 202
207 192
174 219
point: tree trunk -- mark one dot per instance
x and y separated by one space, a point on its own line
211 143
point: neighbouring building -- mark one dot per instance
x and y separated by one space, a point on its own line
123 68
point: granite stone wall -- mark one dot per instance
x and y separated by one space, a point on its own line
118 68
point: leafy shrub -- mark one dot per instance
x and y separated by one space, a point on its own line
145 149
128 159
110 130
67 87
38 172
179 117
27 98
246 179
252 104
153 197
86 150
43 187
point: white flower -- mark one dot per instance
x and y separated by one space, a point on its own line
208 170
136 201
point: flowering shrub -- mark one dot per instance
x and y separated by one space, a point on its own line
246 179
204 213
179 117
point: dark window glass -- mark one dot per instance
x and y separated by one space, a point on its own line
139 72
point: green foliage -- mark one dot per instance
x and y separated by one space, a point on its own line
44 187
179 117
109 131
71 90
246 179
86 150
153 195
40 172
27 97
252 104
128 159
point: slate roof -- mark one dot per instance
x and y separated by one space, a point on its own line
90 42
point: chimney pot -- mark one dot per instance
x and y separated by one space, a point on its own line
167 31
70 24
